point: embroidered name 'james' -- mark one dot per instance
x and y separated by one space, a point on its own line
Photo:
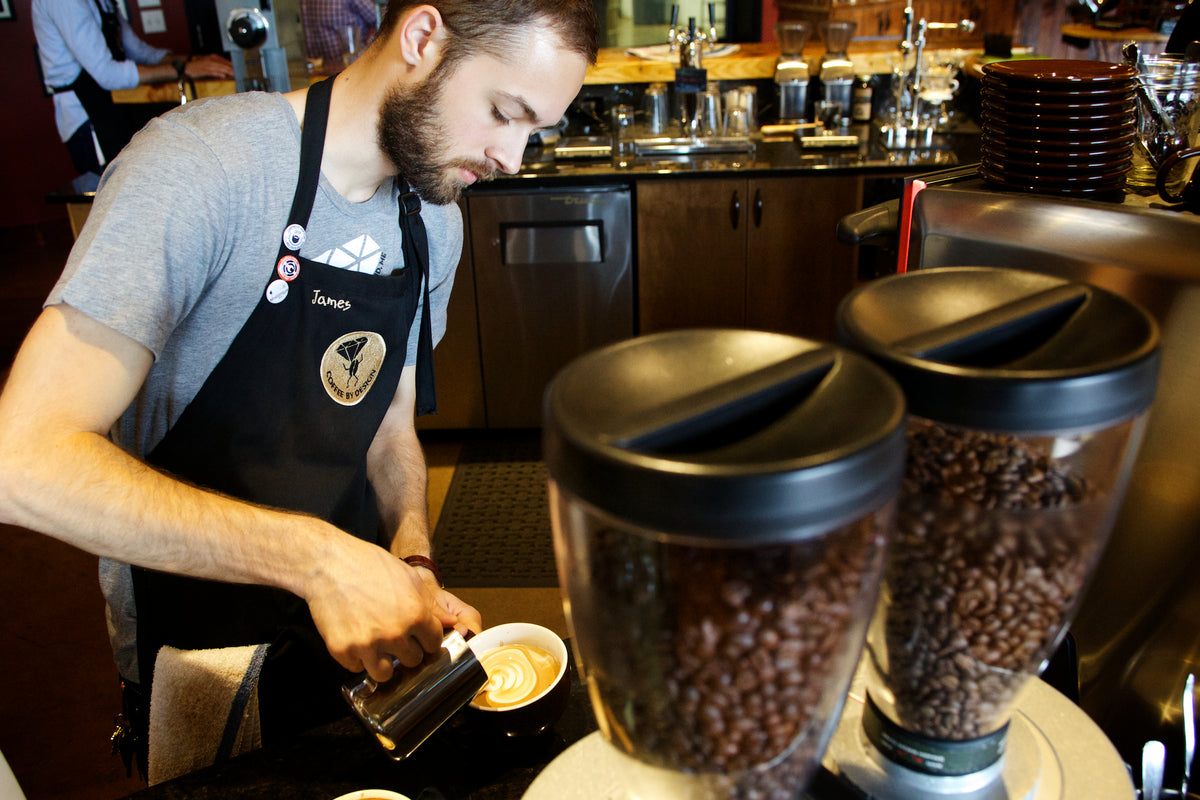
319 299
350 366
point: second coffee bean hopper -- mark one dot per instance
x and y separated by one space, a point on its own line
1027 398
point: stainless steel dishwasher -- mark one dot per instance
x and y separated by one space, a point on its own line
553 279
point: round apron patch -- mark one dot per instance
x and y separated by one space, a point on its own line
350 366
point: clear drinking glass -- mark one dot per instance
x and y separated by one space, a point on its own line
1168 115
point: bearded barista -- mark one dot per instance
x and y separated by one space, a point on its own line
186 405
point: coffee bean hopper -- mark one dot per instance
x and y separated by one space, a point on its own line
720 502
1027 396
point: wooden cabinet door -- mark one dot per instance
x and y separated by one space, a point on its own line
796 270
691 248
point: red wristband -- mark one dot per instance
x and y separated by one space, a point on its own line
427 563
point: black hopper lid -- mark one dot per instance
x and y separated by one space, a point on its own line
732 435
1007 350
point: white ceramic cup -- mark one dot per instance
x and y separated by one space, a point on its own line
538 713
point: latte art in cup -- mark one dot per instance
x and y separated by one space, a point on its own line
517 673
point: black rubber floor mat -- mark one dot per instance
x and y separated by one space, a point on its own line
494 528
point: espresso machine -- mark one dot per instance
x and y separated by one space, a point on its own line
259 39
791 70
906 129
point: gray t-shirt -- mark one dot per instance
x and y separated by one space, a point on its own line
181 242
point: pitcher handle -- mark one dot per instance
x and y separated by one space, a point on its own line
1169 164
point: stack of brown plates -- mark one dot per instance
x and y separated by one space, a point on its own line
1057 126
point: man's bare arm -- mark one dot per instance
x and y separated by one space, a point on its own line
399 474
60 475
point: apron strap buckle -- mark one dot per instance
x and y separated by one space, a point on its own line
410 203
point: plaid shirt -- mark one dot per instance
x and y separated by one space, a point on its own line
325 23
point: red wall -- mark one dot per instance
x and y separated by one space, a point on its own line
34 160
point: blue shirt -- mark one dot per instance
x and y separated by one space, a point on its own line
70 40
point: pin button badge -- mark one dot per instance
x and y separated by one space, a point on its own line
277 290
288 267
293 236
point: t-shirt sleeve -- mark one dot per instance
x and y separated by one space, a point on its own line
153 238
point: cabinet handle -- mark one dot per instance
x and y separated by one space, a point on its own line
758 208
735 210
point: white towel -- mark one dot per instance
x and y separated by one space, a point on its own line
203 708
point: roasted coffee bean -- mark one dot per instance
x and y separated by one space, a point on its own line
994 541
717 660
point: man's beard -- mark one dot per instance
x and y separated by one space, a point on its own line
409 131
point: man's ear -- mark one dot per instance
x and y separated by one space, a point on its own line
419 35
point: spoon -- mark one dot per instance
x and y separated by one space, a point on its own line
1133 57
1154 761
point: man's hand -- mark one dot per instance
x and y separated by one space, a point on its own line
370 606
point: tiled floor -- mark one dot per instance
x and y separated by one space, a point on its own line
58 690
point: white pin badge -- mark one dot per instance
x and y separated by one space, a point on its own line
277 290
293 236
288 268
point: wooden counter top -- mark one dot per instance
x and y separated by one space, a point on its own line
169 92
751 61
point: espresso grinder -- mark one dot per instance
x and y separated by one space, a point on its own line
1027 398
720 501
791 70
836 72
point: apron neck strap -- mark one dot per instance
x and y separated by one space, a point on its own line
312 144
416 257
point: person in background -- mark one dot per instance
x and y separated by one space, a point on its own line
1186 32
333 27
219 396
86 50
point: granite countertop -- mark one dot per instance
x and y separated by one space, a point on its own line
778 155
770 155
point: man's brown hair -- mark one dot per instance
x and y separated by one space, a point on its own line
494 26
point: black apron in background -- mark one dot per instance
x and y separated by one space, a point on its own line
113 128
285 420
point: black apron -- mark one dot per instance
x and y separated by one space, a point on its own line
285 420
113 128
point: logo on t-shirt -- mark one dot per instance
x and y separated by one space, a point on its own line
360 254
351 366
